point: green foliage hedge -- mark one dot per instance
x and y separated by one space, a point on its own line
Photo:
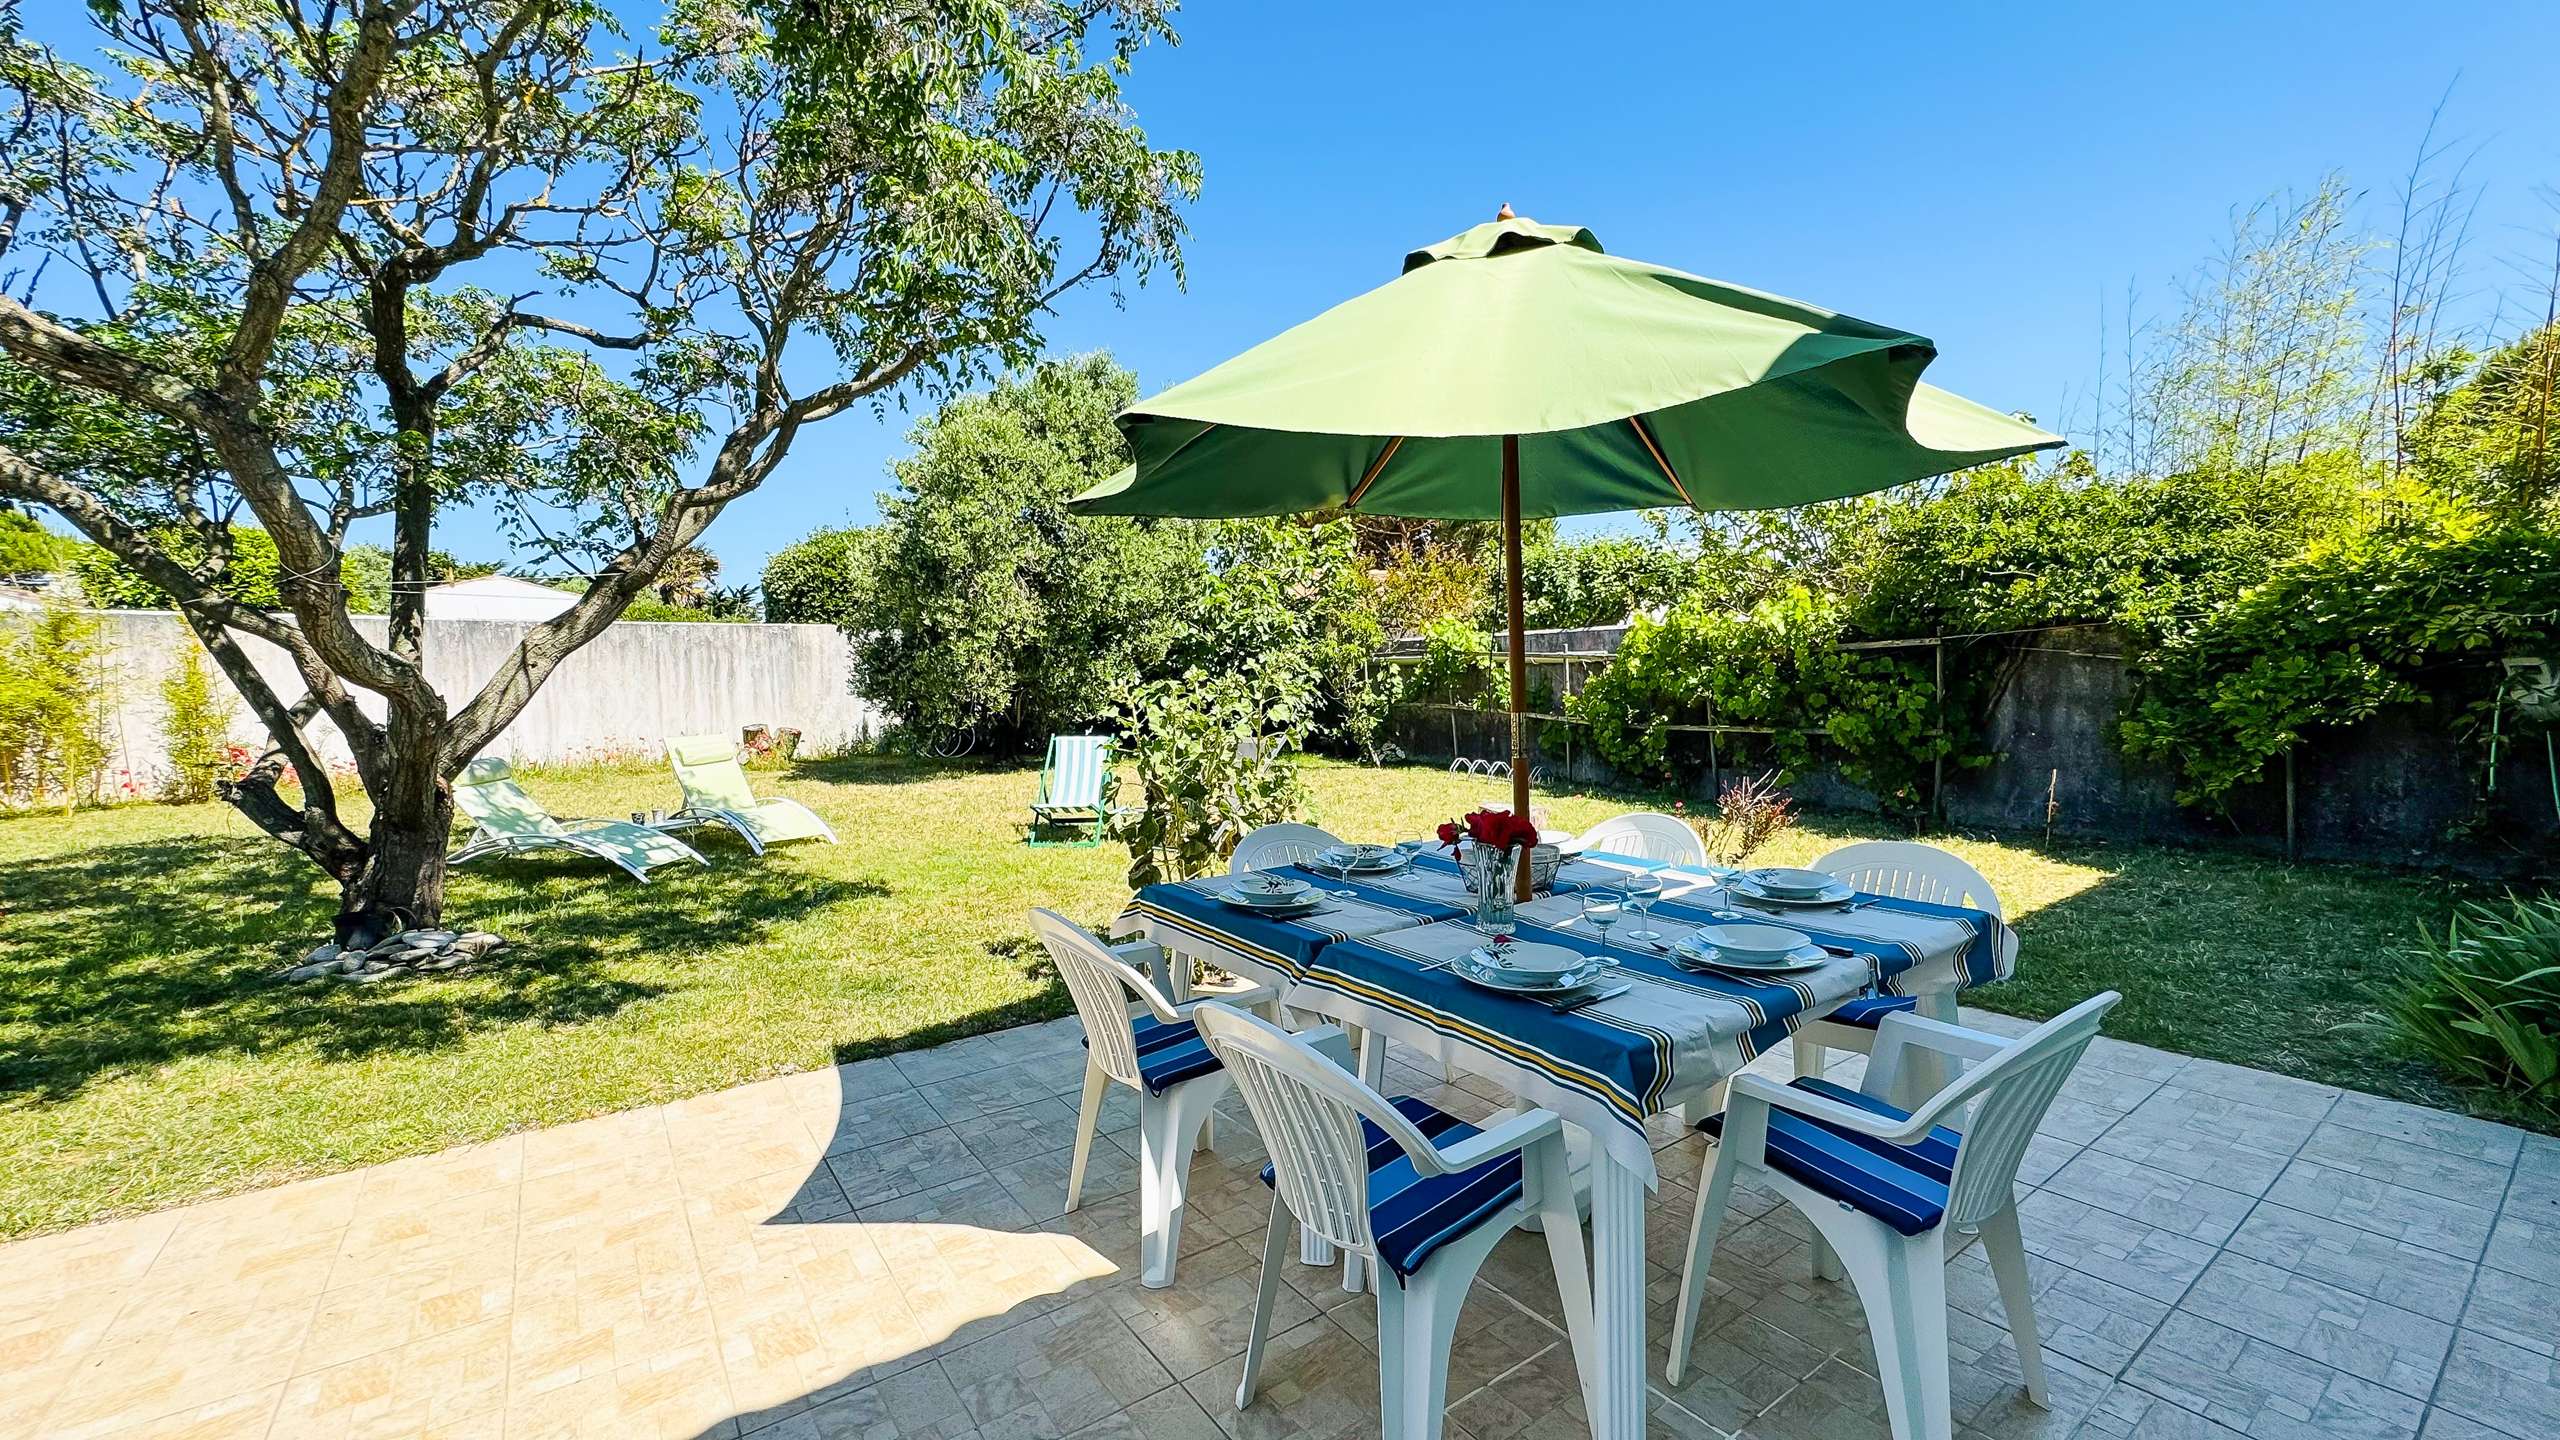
1777 663
2416 613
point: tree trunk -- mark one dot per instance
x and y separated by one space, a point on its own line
401 882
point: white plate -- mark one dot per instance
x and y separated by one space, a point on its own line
1690 954
1787 881
1364 859
1265 892
1528 968
1753 942
1840 892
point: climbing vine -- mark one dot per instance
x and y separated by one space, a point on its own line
1778 664
2421 612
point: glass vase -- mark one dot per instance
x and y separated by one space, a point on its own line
1496 872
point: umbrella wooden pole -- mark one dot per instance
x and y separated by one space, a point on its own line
1519 646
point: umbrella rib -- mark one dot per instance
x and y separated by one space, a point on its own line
1637 421
1375 466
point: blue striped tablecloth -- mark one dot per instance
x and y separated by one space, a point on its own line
1604 1067
1956 947
1190 917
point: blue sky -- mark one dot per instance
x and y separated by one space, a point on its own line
1984 174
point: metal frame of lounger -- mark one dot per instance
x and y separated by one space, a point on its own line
484 843
692 815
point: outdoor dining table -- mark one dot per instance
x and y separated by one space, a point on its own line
1378 961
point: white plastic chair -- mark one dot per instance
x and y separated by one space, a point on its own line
1283 843
1908 870
1411 1188
1158 1054
1646 835
1884 1188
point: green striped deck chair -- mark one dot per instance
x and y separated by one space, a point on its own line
1075 791
507 821
716 793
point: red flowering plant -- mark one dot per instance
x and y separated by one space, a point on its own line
1498 828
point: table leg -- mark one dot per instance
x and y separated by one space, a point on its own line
1617 1300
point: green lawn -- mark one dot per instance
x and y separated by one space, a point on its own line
145 1060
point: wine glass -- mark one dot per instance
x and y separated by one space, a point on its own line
1641 892
1337 861
1603 908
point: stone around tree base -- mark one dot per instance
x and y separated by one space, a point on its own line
401 954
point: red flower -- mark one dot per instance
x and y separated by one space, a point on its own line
1498 828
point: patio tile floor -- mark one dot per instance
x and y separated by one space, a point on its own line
881 1251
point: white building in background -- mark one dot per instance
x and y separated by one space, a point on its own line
496 597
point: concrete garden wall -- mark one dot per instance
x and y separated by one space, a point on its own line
2397 790
623 694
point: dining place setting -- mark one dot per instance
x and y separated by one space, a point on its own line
1601 985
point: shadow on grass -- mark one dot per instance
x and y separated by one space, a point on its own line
1022 950
124 957
871 769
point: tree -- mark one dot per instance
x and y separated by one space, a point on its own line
984 603
2490 436
691 575
304 263
26 547
821 580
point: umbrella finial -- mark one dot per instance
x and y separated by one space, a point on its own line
1505 212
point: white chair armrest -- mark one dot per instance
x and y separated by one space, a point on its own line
1148 958
1888 1062
1517 1133
1940 1036
1780 1096
1241 999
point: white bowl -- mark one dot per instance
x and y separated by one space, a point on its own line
1791 882
1754 942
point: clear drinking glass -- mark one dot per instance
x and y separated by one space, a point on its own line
1337 863
1641 892
1603 909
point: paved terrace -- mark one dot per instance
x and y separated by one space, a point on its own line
877 1251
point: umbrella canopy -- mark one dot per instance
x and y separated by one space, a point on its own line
1629 385
1518 369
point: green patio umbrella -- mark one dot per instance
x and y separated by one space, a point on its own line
1519 370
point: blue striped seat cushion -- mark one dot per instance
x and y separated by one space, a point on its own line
1170 1052
1905 1186
1412 1216
1868 1011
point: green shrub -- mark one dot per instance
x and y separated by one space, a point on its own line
26 547
1780 665
1457 667
196 725
1216 759
2419 612
821 580
53 708
646 608
2486 1008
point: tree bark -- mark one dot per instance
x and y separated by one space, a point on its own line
401 881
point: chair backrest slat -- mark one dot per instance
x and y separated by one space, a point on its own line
1282 843
1103 987
2008 1095
1647 835
1909 870
1309 1112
